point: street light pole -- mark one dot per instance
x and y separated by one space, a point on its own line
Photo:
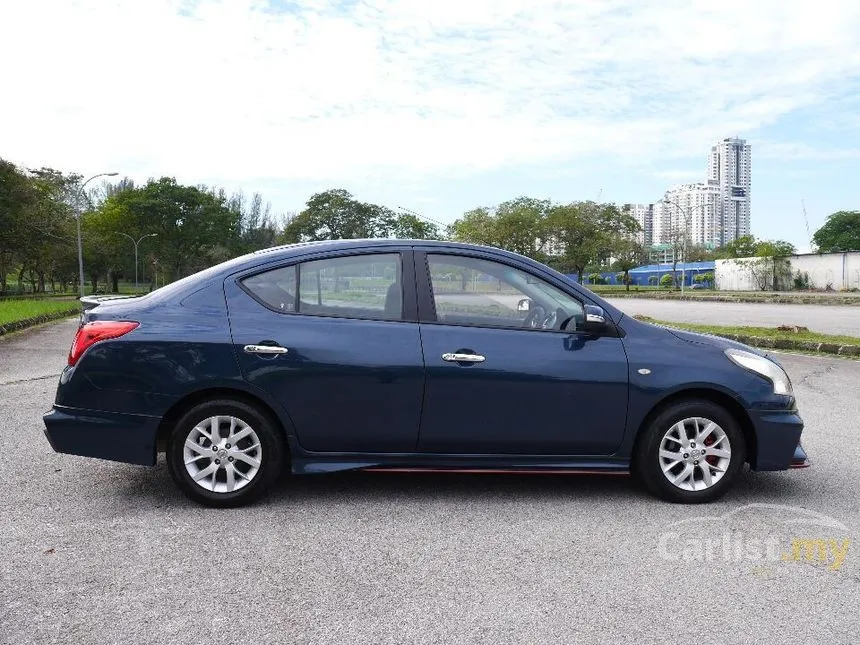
687 215
136 242
80 215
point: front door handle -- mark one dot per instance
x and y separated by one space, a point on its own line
265 349
463 358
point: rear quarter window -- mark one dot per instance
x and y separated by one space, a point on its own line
276 288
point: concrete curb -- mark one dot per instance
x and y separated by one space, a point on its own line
769 343
18 325
788 343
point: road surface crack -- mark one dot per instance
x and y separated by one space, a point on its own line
805 380
28 380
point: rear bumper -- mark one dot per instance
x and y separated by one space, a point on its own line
129 438
778 440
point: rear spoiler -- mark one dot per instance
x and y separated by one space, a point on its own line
88 302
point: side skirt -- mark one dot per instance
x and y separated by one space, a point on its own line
475 464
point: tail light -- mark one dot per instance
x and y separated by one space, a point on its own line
92 332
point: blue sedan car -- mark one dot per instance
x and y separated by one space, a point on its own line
393 355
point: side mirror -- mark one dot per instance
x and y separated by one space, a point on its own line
524 305
595 318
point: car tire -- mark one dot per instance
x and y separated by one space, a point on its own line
244 463
683 473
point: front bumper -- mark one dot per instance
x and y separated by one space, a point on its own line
129 438
800 460
777 440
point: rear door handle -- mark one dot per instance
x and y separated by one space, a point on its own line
265 349
463 358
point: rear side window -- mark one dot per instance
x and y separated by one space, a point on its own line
358 286
275 288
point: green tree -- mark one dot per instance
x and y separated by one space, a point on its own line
49 244
743 247
774 249
629 254
191 224
521 226
408 227
335 215
841 232
699 253
589 234
667 280
17 198
477 226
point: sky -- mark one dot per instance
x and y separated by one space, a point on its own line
441 106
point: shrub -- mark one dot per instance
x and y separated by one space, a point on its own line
596 278
667 281
653 280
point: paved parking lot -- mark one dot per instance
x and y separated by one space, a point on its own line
98 552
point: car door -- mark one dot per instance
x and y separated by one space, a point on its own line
335 339
498 382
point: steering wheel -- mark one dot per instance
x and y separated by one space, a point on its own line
535 318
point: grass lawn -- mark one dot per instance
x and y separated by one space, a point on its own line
15 310
758 332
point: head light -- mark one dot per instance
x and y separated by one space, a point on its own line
763 367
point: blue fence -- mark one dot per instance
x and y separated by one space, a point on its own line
643 275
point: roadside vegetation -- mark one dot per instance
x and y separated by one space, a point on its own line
17 310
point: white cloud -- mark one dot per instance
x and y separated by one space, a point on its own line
681 175
404 89
786 151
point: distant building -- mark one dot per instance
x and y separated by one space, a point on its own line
718 208
661 253
701 203
730 168
644 216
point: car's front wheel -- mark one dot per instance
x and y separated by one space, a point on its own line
225 453
691 452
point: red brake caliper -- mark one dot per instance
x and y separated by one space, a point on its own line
711 459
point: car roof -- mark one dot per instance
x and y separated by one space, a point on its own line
286 250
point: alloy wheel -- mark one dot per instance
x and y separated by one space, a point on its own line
222 454
695 453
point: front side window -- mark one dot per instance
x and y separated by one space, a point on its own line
358 286
473 291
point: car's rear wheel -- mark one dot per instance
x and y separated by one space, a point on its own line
225 453
691 452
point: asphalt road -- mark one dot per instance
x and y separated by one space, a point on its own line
98 552
825 319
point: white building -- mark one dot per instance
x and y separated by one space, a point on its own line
662 223
643 214
729 167
695 208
